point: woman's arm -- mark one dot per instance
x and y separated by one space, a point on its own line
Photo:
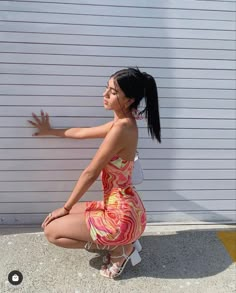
88 132
112 144
44 128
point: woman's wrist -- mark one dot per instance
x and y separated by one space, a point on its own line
67 209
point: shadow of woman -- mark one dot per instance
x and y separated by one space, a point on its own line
184 255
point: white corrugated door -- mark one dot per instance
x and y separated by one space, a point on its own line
57 55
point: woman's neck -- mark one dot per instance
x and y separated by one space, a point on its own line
121 115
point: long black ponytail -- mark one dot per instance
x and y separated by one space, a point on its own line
138 85
152 107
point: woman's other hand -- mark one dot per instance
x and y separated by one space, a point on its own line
42 123
61 212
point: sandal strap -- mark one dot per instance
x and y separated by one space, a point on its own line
88 246
123 254
112 270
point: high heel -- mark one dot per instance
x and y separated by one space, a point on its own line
107 258
137 245
112 270
135 258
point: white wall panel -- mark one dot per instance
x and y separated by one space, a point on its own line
98 81
119 11
57 56
148 174
150 185
148 164
88 91
167 133
28 143
170 195
60 122
23 69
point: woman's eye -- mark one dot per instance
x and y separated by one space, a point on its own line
111 91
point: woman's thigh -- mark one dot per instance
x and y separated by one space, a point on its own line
78 208
71 226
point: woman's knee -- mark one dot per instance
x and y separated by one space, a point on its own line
49 234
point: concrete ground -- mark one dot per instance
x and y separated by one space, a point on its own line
175 258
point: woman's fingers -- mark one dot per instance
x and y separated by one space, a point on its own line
33 123
44 119
42 116
47 221
36 118
47 118
44 222
41 122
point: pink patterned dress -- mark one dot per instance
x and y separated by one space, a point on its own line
121 217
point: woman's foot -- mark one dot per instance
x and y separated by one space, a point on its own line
117 254
118 260
107 258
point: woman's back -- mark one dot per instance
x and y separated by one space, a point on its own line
130 138
117 174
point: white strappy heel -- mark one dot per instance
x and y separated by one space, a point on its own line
112 270
106 258
138 245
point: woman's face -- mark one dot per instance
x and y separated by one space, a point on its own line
114 97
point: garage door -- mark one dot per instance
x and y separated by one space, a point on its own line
57 56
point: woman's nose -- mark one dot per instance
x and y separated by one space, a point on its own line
105 92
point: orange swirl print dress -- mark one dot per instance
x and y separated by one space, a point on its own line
121 217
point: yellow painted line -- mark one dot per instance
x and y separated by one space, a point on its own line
228 238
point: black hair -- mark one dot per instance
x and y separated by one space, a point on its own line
138 85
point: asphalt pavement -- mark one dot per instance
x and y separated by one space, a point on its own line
175 258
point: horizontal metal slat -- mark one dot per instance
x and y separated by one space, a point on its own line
143 133
147 22
151 185
86 51
42 143
33 154
184 4
28 176
129 37
64 70
98 61
153 164
102 81
159 206
81 111
107 10
164 195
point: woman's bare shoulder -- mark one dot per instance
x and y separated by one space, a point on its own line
127 129
126 123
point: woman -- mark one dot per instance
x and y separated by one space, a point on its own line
117 221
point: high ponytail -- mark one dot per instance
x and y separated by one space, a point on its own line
138 85
152 107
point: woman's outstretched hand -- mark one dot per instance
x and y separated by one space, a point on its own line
42 123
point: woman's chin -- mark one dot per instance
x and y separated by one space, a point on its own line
106 106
